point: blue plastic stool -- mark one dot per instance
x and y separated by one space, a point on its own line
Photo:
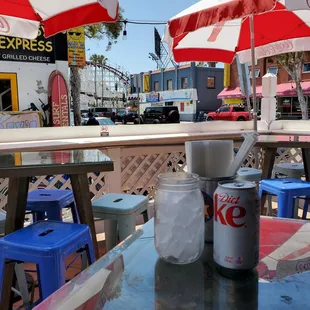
50 203
286 190
46 244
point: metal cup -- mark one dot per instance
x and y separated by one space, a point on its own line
208 186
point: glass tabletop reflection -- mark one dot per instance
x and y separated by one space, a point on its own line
15 163
132 276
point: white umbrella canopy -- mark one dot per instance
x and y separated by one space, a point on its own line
209 12
22 18
290 32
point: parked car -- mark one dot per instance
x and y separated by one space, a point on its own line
127 117
102 112
158 115
120 114
103 121
229 113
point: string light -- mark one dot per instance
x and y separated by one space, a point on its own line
125 31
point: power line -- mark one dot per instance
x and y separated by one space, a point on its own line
142 22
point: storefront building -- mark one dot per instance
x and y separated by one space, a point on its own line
189 87
287 100
26 66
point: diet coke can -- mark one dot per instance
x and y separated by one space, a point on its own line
236 227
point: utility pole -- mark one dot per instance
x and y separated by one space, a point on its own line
139 102
102 85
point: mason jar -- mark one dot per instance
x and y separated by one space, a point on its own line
179 218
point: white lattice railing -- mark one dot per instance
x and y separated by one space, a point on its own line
136 170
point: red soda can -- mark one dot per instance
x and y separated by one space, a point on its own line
236 227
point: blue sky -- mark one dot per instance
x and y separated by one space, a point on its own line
133 54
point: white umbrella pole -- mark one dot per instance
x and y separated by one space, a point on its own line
252 36
253 72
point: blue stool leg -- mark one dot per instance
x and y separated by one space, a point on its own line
54 214
2 265
260 194
285 205
51 275
305 211
75 214
90 250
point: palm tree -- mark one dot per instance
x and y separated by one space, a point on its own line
98 61
94 61
102 61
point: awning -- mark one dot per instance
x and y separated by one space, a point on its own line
229 92
283 90
289 89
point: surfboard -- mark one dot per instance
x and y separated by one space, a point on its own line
58 100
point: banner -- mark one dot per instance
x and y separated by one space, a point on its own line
152 97
11 120
146 83
76 47
226 75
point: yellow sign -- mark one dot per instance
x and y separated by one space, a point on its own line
146 83
233 101
76 47
226 75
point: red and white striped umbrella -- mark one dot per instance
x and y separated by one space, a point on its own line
276 32
209 12
21 18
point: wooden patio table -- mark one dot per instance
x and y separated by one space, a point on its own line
20 167
270 145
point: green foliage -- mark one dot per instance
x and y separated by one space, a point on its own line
292 63
98 59
111 31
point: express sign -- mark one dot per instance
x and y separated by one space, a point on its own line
40 49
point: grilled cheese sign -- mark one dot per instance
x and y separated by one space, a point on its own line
39 50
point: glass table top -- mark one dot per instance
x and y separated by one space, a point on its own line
15 163
132 276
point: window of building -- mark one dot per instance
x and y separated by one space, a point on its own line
257 73
169 85
273 70
168 103
306 67
211 82
184 82
156 86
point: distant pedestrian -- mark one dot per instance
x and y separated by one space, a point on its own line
92 120
113 117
